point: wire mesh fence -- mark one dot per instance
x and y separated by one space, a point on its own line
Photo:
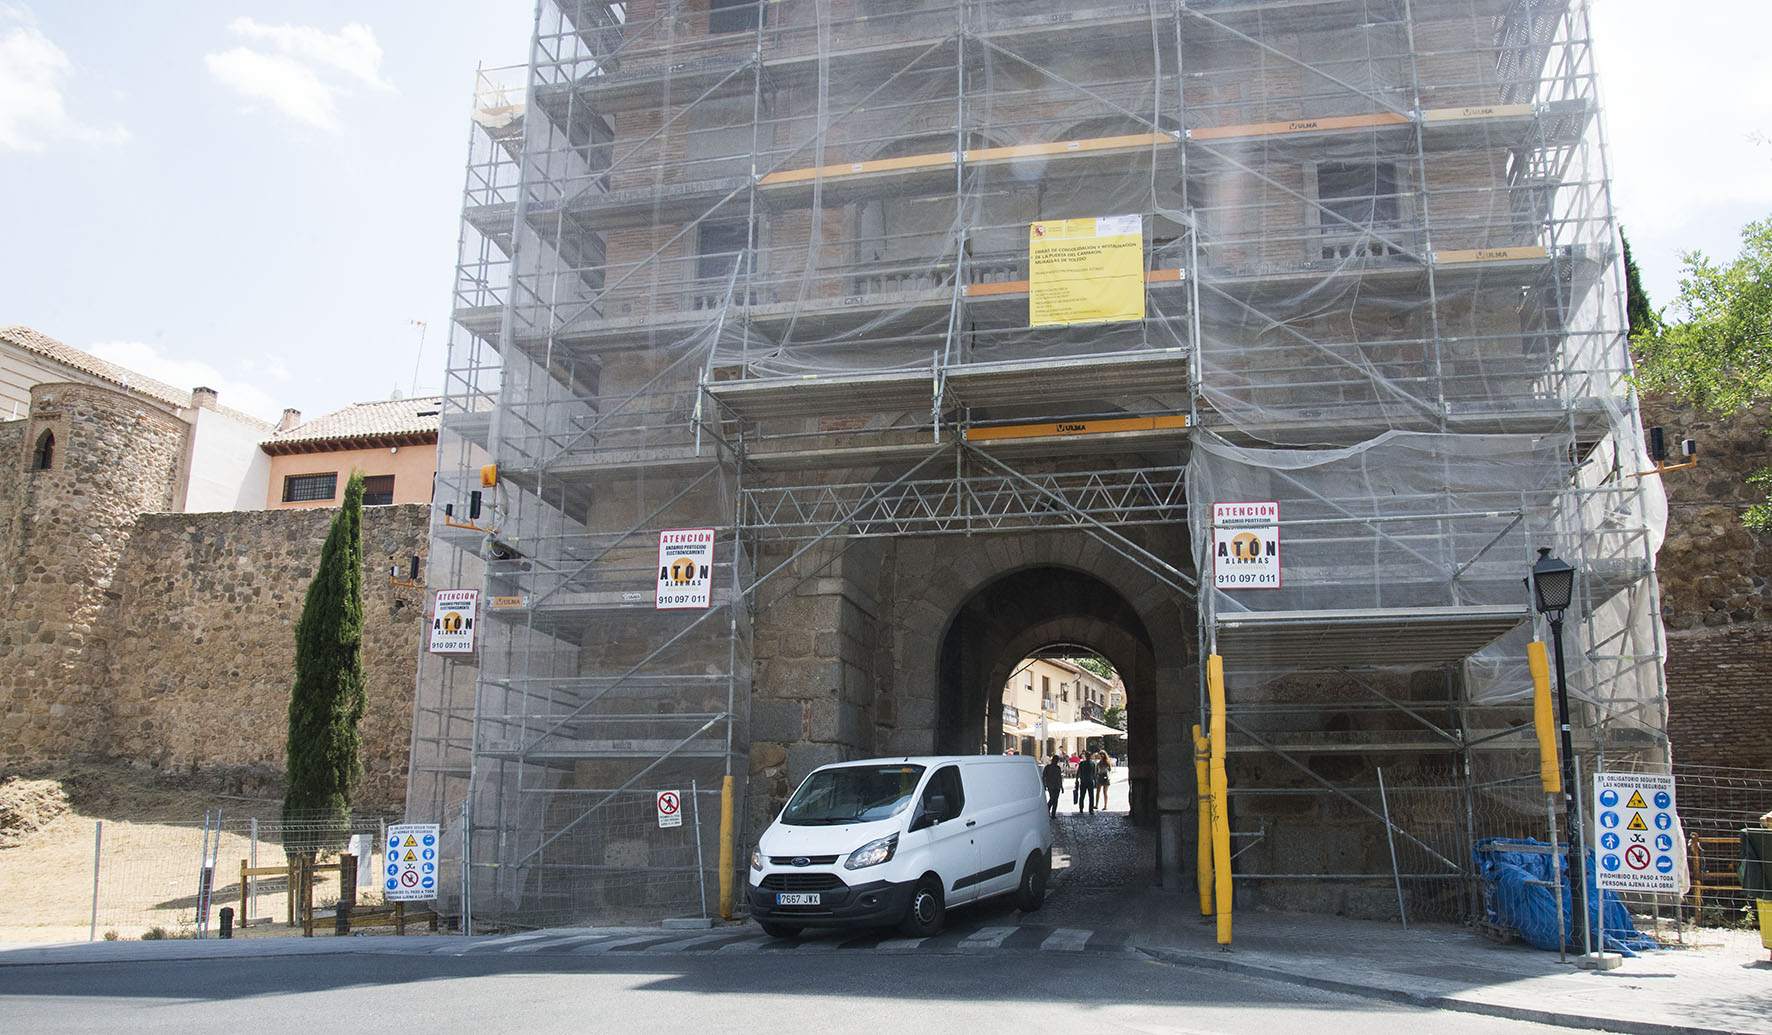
612 857
170 878
1715 804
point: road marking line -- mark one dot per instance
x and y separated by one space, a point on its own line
1065 939
987 937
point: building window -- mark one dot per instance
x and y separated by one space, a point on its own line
734 15
719 248
44 455
306 488
1357 198
378 491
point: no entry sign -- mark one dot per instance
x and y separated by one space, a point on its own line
670 808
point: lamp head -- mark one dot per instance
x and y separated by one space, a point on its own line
1553 583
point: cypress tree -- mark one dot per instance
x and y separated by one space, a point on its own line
324 762
1638 314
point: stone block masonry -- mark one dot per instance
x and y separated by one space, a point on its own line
1716 589
204 642
168 640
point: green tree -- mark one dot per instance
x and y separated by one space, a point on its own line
1099 666
325 765
1641 316
1115 717
1717 352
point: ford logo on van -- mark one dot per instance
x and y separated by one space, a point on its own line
800 860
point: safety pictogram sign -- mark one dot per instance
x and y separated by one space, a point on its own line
1638 843
410 870
670 808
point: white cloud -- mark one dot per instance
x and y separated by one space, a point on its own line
186 374
286 84
299 70
353 51
33 76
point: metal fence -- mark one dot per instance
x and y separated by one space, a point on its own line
171 878
1715 803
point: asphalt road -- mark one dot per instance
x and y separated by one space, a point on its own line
807 990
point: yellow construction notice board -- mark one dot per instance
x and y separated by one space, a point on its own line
1085 270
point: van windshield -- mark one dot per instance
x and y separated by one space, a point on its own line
852 794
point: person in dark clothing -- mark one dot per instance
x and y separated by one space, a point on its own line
1086 784
1053 777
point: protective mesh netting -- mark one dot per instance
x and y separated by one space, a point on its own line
1375 271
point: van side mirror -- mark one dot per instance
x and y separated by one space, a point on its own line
934 808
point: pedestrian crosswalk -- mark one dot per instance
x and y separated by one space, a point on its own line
962 938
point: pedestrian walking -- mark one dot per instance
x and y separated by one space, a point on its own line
1053 777
1102 768
1086 784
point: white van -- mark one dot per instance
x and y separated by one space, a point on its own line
899 840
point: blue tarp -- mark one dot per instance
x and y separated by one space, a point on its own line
1530 908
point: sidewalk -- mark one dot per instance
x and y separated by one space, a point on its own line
1723 986
1714 988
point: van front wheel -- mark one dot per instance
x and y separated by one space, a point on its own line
927 910
1032 892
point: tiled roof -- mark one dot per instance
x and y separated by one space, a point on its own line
396 421
123 377
87 363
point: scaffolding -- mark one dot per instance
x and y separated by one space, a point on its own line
767 268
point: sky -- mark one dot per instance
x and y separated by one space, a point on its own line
265 198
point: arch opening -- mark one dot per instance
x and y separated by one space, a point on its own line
43 455
1019 615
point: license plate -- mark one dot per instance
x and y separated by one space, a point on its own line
796 900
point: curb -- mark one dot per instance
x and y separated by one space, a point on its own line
1623 1026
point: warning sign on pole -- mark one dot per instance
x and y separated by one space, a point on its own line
685 568
1638 842
452 621
410 870
1246 545
670 808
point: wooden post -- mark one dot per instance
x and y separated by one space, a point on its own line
307 895
400 918
347 893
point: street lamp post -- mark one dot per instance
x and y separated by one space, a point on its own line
1553 586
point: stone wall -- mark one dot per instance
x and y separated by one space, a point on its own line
205 642
1716 598
167 640
113 459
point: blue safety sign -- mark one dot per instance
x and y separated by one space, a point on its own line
411 863
1627 807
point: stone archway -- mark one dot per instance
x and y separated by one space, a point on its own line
984 592
1021 613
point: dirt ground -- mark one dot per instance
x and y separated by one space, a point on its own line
152 848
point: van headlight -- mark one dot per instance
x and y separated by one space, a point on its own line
872 854
756 858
